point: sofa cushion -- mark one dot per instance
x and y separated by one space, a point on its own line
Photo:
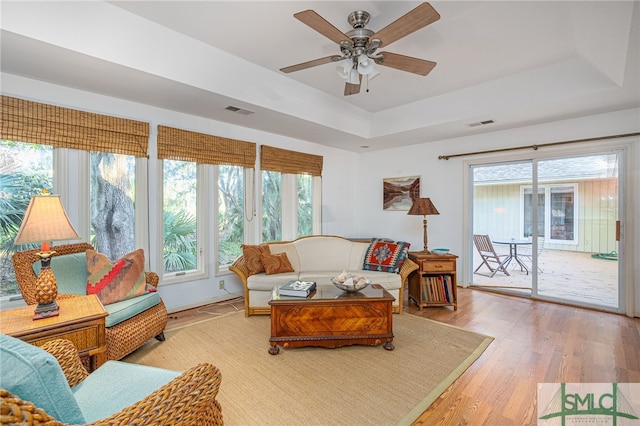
253 257
356 257
276 263
385 255
323 253
35 376
128 384
290 249
116 281
267 282
70 271
121 311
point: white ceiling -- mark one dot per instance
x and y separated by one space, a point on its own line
517 63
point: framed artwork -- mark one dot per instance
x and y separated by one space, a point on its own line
399 193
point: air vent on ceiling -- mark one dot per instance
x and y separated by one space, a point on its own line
480 123
239 110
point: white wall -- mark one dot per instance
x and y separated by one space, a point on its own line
352 183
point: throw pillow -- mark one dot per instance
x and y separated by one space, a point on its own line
385 255
276 263
252 257
117 281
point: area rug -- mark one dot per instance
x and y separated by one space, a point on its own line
352 385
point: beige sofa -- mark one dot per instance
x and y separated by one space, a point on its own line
317 258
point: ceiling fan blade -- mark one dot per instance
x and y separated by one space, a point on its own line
321 25
352 89
406 63
309 64
419 17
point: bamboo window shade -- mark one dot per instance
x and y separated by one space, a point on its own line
34 122
185 145
285 161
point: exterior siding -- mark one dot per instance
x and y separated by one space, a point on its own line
497 213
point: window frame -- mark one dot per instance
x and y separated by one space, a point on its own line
546 189
203 176
289 194
248 192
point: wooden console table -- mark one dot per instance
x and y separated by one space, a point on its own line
81 321
331 318
434 283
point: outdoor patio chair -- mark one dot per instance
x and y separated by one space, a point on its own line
489 256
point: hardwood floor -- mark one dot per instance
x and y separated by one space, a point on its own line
535 342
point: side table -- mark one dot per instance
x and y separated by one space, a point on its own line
81 320
434 283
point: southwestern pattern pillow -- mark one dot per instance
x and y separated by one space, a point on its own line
385 255
276 263
253 257
117 281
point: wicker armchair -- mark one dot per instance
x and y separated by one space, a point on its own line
189 399
122 338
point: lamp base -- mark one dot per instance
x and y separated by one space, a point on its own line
46 311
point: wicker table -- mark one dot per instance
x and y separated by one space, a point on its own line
81 321
331 318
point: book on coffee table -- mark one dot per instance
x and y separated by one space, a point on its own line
297 288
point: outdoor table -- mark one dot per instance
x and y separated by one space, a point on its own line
513 251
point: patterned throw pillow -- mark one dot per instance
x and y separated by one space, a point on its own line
120 280
276 263
385 255
253 257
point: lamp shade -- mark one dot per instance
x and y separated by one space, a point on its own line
423 207
45 220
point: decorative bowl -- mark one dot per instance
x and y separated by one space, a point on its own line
350 283
440 251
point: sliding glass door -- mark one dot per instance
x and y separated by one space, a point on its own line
561 244
579 260
500 220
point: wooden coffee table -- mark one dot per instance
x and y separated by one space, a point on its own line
81 320
331 318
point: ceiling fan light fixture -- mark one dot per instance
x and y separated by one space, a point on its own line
368 68
363 60
374 71
344 68
354 78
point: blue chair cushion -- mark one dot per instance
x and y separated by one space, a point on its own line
116 385
72 274
70 271
126 309
34 375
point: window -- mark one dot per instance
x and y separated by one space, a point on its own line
305 205
271 206
180 224
556 212
290 193
562 219
112 187
230 213
25 170
528 216
190 159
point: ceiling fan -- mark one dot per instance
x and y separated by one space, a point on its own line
358 47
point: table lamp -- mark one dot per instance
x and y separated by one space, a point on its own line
45 221
423 206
